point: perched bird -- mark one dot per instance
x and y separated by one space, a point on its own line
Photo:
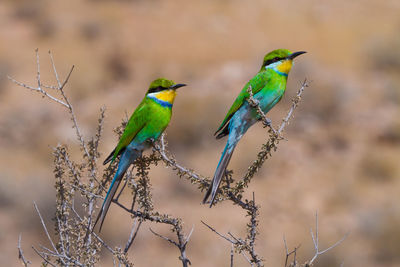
268 87
146 124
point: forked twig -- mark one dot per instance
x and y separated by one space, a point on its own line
315 240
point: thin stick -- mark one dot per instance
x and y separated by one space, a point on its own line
221 235
295 103
231 255
165 238
315 240
132 236
44 227
21 253
40 254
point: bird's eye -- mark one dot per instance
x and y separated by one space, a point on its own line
276 59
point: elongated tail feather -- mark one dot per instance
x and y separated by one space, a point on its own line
107 202
127 158
223 132
109 158
219 173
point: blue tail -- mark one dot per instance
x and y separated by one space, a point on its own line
219 172
127 158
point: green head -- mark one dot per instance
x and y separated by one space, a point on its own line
162 84
280 58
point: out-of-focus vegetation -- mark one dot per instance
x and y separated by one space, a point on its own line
342 153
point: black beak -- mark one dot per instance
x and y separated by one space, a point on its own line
176 86
296 54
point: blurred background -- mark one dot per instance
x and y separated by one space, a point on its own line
341 157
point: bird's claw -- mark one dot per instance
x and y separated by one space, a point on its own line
267 121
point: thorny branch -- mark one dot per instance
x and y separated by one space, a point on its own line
77 245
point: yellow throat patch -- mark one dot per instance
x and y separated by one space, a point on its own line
167 96
285 66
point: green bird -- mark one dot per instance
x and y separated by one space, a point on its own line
268 87
146 125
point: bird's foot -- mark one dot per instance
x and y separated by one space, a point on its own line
267 121
255 102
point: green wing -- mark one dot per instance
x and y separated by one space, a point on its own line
257 83
136 122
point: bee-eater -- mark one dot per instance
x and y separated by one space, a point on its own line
146 124
268 87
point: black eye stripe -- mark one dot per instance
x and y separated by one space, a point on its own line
157 89
268 62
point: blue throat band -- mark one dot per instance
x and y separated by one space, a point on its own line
280 73
161 102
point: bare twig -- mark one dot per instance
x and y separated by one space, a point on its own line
315 240
241 246
288 254
295 102
231 255
247 259
165 238
43 257
221 235
132 236
93 233
21 256
40 90
59 87
44 227
180 244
